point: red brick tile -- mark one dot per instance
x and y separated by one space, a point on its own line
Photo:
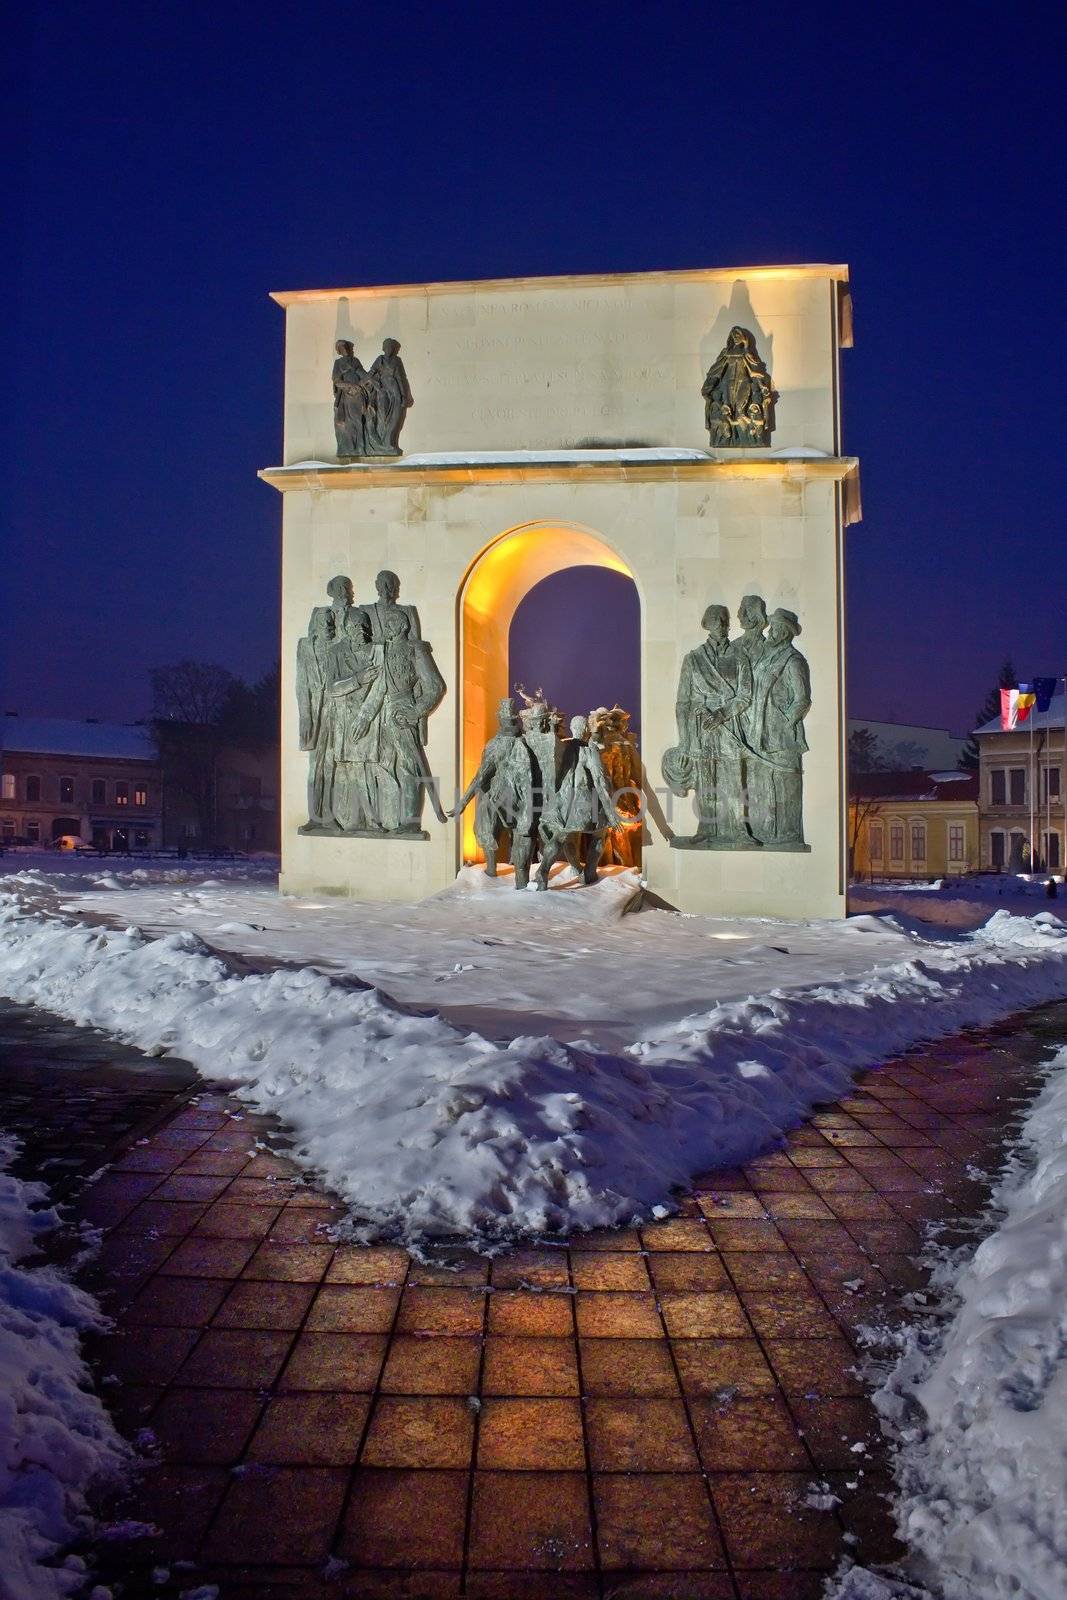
180 1501
679 1233
837 1180
236 1358
543 1435
161 1160
766 1524
746 1233
531 1586
868 1204
704 1316
732 1207
542 1269
209 1258
353 1308
454 1311
755 1435
172 1218
785 1180
832 1427
622 1367
639 1436
531 1521
422 1432
227 1221
451 1269
781 1585
601 1269
788 1314
669 1586
205 1425
361 1264
722 1367
175 1303
795 1207
335 1361
287 1516
250 1304
312 1430
145 1355
128 1259
405 1519
608 1239
439 1364
290 1263
819 1155
605 1315
771 1269
805 1235
214 1164
191 1188
520 1312
304 1225
680 1271
814 1367
529 1366
660 1521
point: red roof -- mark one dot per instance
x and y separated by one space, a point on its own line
914 785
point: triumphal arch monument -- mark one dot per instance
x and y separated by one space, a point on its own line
449 445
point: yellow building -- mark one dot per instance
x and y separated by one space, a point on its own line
913 824
1023 787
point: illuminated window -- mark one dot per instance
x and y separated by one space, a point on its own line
9 786
122 794
896 842
66 791
33 789
918 841
956 841
876 843
99 792
140 797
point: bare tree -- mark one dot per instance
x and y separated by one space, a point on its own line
191 691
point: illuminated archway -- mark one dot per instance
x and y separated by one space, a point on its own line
497 580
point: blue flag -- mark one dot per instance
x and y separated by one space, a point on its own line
1044 689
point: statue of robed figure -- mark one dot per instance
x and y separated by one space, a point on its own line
369 408
503 791
583 809
738 396
714 690
774 733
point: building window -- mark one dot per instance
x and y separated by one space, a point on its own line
1018 786
998 792
996 851
141 840
896 842
876 843
9 829
66 791
122 794
1018 849
956 841
33 789
1051 784
9 786
99 792
33 832
918 841
140 796
1052 852
120 839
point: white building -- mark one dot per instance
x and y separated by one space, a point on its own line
1023 789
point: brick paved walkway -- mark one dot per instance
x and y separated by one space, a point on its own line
638 1414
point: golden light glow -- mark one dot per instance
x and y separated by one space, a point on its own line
498 579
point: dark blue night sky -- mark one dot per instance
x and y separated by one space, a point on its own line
173 163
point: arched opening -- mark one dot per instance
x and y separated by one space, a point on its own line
576 636
496 585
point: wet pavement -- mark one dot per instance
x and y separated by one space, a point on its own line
648 1412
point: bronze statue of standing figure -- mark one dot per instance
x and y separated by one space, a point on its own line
738 396
369 408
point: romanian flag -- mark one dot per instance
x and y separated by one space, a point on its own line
1016 705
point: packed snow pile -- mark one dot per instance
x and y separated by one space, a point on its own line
429 1128
56 1439
978 1404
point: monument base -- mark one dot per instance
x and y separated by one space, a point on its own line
715 844
316 831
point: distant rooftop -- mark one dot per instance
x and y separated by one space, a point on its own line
915 785
64 736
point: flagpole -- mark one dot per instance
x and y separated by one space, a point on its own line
1063 776
1031 794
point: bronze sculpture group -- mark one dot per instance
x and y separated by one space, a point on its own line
738 397
369 407
740 707
539 794
366 681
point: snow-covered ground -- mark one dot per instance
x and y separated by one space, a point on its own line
978 1397
491 1063
56 1439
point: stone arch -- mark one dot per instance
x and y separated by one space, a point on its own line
501 574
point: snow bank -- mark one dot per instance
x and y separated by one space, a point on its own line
427 1129
55 1436
978 1406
